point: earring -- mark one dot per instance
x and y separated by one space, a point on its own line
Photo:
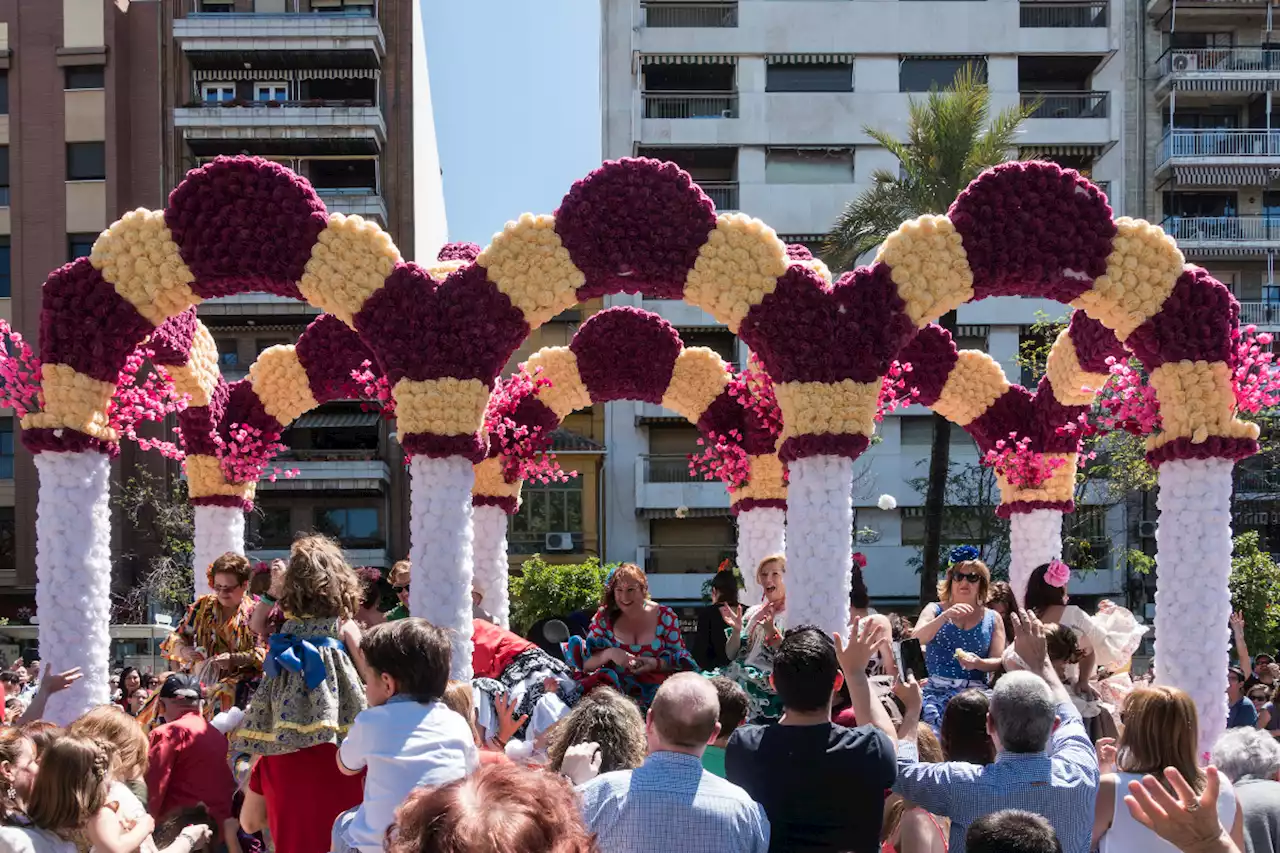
11 793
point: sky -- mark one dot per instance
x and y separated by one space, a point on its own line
515 88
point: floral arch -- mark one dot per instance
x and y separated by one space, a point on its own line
639 226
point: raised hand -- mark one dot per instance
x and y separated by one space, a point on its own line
732 617
856 654
1187 822
912 697
1106 754
505 706
1028 640
56 682
581 762
958 612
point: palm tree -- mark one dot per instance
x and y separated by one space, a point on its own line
950 140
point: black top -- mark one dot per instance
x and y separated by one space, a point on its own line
822 786
709 639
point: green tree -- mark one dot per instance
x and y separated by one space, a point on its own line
1255 592
969 518
545 590
162 515
950 140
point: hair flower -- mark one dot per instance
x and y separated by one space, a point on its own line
1057 574
860 559
961 553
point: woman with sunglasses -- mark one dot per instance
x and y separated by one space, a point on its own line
398 577
958 624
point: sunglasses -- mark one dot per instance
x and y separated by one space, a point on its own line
400 589
217 588
971 577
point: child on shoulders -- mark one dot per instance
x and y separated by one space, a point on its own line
407 737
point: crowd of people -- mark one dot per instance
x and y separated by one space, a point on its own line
301 718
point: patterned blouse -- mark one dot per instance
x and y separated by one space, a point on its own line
204 629
667 646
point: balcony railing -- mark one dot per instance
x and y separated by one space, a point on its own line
668 468
273 105
1260 314
1223 229
690 105
1066 104
1068 15
1257 481
723 193
312 455
1224 60
1220 142
685 559
661 13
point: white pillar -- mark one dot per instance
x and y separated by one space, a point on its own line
761 532
819 542
218 529
440 542
73 576
1193 602
491 565
1035 538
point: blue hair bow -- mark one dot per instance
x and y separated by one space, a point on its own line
300 655
962 553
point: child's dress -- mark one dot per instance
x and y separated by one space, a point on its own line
129 809
310 692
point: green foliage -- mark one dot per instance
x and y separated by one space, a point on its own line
706 584
163 517
548 590
1140 562
1255 593
949 142
969 516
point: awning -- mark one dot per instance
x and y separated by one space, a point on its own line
1215 82
810 59
688 59
567 441
338 73
1257 176
335 420
803 238
277 74
1061 150
703 512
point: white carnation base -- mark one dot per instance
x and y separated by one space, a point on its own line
491 566
761 532
440 550
218 529
819 542
1035 538
73 576
1193 603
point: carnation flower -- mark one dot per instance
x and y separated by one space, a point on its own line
887 503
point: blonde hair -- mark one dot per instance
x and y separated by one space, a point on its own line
111 725
772 558
1160 730
929 751
318 582
966 567
399 574
71 786
459 698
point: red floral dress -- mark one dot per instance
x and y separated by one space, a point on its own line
667 646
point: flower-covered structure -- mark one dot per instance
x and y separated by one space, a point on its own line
969 389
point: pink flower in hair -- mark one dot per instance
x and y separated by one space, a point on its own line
1057 574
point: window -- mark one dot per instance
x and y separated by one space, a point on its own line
4 267
80 245
809 77
228 353
86 161
223 6
84 77
547 508
4 175
217 92
274 525
917 432
8 533
6 448
1209 205
354 526
961 525
920 74
4 93
808 166
271 91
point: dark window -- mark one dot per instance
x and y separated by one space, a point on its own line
228 352
86 161
547 508
80 245
354 527
1200 204
85 77
8 532
921 75
6 448
275 527
225 6
4 93
4 175
4 267
809 77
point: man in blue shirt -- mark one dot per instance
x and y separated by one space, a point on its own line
1045 763
1242 714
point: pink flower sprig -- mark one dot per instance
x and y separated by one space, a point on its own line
1254 373
374 391
19 373
753 388
896 392
521 443
722 458
1127 402
145 397
245 454
1024 468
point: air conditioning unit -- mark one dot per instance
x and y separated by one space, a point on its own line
726 114
558 542
1147 529
1186 62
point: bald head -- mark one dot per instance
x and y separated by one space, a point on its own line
685 712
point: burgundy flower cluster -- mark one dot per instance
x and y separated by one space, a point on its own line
520 427
245 224
458 252
198 425
931 356
330 353
635 226
626 353
170 343
1196 323
1033 229
84 323
1094 343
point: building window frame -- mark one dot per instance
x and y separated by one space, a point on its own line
98 80
6 448
786 77
270 89
80 245
6 260
212 92
549 508
86 161
906 80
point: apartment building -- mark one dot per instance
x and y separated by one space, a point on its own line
765 102
1209 164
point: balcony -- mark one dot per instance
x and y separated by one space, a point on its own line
1242 70
664 482
1066 105
257 304
1084 14
330 470
710 13
1220 147
348 39
355 201
1257 481
1263 315
724 194
1224 234
355 556
283 127
690 104
1214 8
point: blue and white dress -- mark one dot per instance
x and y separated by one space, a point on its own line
946 676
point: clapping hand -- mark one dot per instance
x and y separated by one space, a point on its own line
1106 754
732 617
508 723
1186 822
856 654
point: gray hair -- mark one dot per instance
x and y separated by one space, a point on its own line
1023 711
1247 754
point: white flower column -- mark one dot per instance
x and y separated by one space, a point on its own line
218 529
1193 602
1035 538
491 566
819 552
761 531
73 576
440 550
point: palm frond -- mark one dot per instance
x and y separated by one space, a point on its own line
866 221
